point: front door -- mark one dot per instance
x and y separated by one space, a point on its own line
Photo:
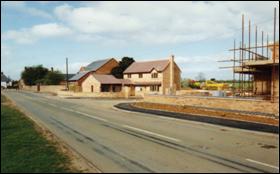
132 90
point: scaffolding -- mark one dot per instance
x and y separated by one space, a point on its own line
244 83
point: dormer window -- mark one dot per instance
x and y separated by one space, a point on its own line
154 75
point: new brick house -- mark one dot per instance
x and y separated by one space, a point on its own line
158 77
149 77
85 80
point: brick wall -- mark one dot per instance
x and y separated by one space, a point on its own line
45 88
90 94
107 68
91 81
166 78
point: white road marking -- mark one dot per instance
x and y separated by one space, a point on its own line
71 110
264 164
67 109
91 116
151 133
52 104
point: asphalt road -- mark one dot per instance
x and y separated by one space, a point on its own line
119 141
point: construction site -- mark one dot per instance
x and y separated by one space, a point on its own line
252 97
255 63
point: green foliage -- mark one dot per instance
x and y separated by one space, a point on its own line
33 73
194 84
213 79
189 83
53 78
123 64
38 74
184 83
23 149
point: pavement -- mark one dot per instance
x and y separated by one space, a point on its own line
207 119
121 141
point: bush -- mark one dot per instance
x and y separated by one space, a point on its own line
39 75
53 78
123 64
33 73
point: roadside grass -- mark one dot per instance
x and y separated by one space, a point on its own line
24 149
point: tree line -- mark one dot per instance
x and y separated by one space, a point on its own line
38 74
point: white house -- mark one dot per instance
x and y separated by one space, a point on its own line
5 81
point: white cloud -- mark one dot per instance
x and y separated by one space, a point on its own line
161 23
208 64
73 67
91 20
50 30
21 6
5 51
154 22
30 35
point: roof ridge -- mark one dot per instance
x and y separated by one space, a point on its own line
151 61
100 60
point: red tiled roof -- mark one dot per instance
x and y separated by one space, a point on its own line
110 79
147 66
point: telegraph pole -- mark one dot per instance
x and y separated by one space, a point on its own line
67 85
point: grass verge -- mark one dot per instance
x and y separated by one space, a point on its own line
24 149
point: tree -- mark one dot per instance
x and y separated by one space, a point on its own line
200 77
39 74
53 78
123 64
184 83
33 73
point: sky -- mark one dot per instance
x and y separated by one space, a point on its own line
198 34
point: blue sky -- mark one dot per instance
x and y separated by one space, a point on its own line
197 33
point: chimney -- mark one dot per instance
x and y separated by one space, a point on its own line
82 68
171 85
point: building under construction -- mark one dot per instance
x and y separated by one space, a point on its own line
256 64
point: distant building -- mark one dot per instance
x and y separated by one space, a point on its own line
5 81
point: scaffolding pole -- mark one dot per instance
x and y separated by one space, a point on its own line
246 82
242 56
233 74
273 57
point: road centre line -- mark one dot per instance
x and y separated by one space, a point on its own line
67 109
151 133
126 126
91 116
264 164
82 113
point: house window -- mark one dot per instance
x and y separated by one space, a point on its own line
154 75
105 88
154 88
140 75
128 75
